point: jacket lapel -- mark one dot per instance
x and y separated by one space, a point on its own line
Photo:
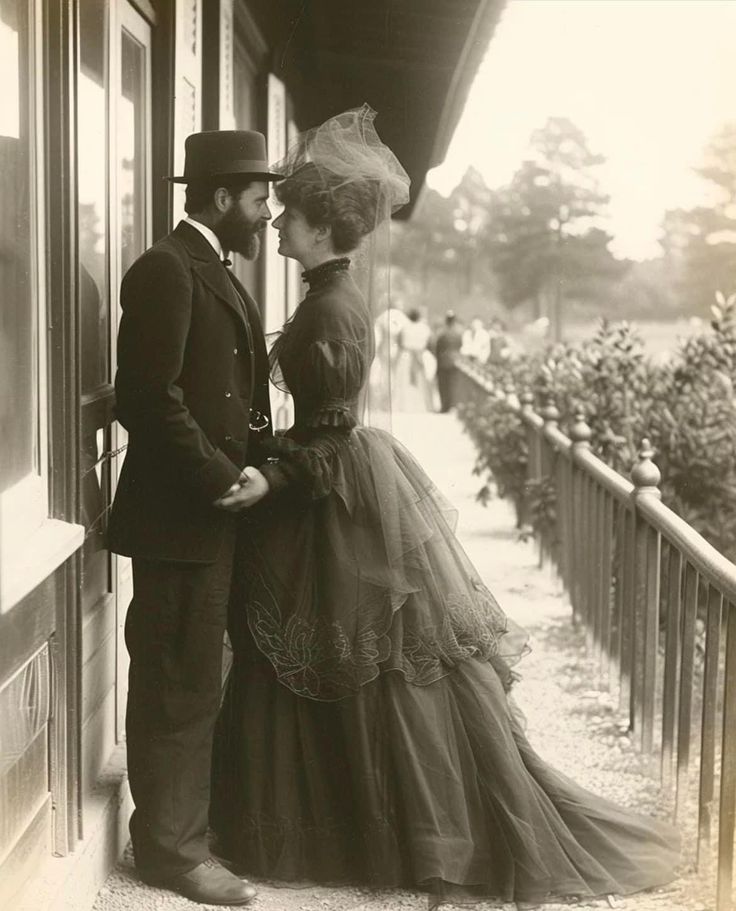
254 315
209 268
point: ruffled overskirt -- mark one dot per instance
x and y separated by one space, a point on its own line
366 735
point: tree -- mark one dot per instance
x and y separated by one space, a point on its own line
470 202
700 244
428 241
440 252
544 235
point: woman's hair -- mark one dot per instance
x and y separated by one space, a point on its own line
348 207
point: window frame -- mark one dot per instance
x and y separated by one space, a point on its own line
32 544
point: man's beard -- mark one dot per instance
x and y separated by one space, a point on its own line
238 234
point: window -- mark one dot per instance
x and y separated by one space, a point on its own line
275 315
22 377
92 196
27 540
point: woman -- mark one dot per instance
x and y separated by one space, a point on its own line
366 735
415 365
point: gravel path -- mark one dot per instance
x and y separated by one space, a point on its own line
571 724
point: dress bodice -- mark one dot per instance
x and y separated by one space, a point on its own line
323 355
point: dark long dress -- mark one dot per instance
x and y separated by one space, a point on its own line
365 734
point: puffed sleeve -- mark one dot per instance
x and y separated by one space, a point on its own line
333 371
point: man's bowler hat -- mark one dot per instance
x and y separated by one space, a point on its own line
217 154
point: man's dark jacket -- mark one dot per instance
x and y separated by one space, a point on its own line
447 347
191 364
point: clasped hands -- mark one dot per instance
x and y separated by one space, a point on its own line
250 487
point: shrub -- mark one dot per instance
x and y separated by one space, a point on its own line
686 407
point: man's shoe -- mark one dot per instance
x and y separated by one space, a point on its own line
211 884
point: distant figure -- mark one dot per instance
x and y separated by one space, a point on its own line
498 343
415 365
536 334
387 329
447 348
477 341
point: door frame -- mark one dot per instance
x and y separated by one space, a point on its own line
125 18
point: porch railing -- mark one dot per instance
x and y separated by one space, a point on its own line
658 604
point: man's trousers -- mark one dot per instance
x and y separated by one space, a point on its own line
447 384
174 633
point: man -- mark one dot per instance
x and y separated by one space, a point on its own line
192 392
447 348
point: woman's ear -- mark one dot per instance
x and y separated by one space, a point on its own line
323 234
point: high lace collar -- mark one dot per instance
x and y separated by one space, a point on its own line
319 275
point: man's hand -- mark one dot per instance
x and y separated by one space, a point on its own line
251 487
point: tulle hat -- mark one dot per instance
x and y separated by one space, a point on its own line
343 150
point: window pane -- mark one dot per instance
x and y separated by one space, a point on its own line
94 295
131 145
245 97
18 336
92 199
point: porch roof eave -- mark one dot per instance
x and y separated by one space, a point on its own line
413 62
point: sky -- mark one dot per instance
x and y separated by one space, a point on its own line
647 81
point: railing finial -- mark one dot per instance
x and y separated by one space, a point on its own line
580 432
527 401
550 412
512 399
645 474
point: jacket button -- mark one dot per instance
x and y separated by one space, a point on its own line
228 438
228 394
235 350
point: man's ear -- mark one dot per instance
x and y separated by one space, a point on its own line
222 199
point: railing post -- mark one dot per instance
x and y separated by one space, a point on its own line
551 416
527 401
580 434
708 736
532 445
647 573
727 813
527 409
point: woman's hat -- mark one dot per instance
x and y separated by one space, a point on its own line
225 153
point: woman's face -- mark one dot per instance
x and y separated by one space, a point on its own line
297 238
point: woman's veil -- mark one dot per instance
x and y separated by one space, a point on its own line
347 149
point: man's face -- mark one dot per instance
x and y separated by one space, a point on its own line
242 224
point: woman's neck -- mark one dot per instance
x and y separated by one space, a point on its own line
316 258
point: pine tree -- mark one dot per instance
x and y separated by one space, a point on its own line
700 243
544 235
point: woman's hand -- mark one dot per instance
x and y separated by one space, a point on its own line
251 487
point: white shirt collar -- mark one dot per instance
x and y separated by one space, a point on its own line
208 234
